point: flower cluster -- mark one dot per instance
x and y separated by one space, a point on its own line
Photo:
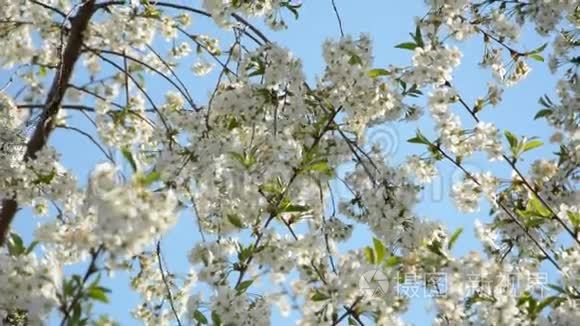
346 83
433 65
467 193
28 284
152 285
270 9
484 137
124 218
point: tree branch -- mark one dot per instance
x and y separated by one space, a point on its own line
45 125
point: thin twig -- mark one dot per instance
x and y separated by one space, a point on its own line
91 138
169 295
338 18
500 204
513 166
66 309
245 265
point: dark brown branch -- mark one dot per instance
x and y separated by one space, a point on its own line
46 6
73 107
349 311
45 124
63 107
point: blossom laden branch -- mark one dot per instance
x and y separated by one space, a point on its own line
245 265
45 125
499 203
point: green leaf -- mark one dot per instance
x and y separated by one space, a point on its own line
546 101
31 246
454 238
292 8
151 12
534 209
512 140
233 123
543 113
374 73
98 293
235 220
546 302
287 207
539 49
537 207
16 245
393 261
435 247
370 255
380 250
407 46
76 315
245 253
199 317
320 166
45 178
152 177
529 302
42 71
532 144
242 287
574 218
215 318
419 139
129 157
536 57
318 296
355 59
418 37
247 159
557 288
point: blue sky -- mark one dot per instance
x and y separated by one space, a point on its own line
388 23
